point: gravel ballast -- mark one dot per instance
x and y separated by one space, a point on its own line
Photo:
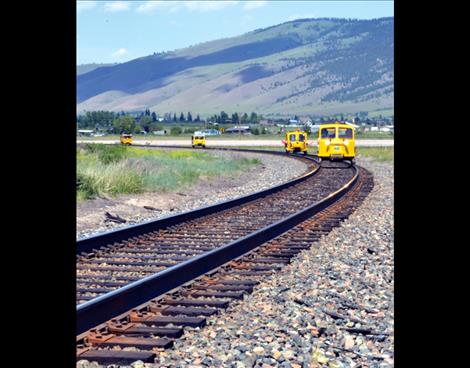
299 316
344 281
273 170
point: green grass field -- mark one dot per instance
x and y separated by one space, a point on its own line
382 154
112 170
374 135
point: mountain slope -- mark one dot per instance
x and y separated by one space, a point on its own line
85 68
303 66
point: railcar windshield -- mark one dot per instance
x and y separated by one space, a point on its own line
292 137
345 133
301 137
328 132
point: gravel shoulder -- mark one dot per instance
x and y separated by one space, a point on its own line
273 170
348 272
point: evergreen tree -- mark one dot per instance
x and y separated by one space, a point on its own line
174 117
198 119
235 118
182 117
146 123
244 119
253 118
154 117
190 118
223 117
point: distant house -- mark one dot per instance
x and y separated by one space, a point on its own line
387 128
238 130
159 132
85 132
211 132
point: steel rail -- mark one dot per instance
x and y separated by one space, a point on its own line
100 309
88 244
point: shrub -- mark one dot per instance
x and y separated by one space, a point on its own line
106 153
189 130
176 131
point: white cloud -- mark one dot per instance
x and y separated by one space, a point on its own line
151 6
116 6
302 16
205 6
119 53
192 6
250 5
85 5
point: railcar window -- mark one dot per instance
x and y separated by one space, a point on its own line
301 137
292 137
328 133
345 133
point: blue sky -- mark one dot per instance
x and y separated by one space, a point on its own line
118 31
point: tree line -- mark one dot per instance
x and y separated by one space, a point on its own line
223 118
148 121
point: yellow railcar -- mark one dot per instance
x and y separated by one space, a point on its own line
198 139
126 139
336 141
296 142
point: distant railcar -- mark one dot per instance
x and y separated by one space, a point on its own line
126 139
198 140
296 142
336 142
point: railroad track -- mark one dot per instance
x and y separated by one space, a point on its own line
141 286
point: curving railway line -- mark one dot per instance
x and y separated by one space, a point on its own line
141 286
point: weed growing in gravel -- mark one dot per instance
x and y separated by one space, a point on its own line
113 170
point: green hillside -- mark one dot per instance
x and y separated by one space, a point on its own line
312 66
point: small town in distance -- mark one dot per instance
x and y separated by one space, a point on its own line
102 123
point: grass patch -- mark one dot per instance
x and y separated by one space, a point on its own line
374 135
105 170
382 154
